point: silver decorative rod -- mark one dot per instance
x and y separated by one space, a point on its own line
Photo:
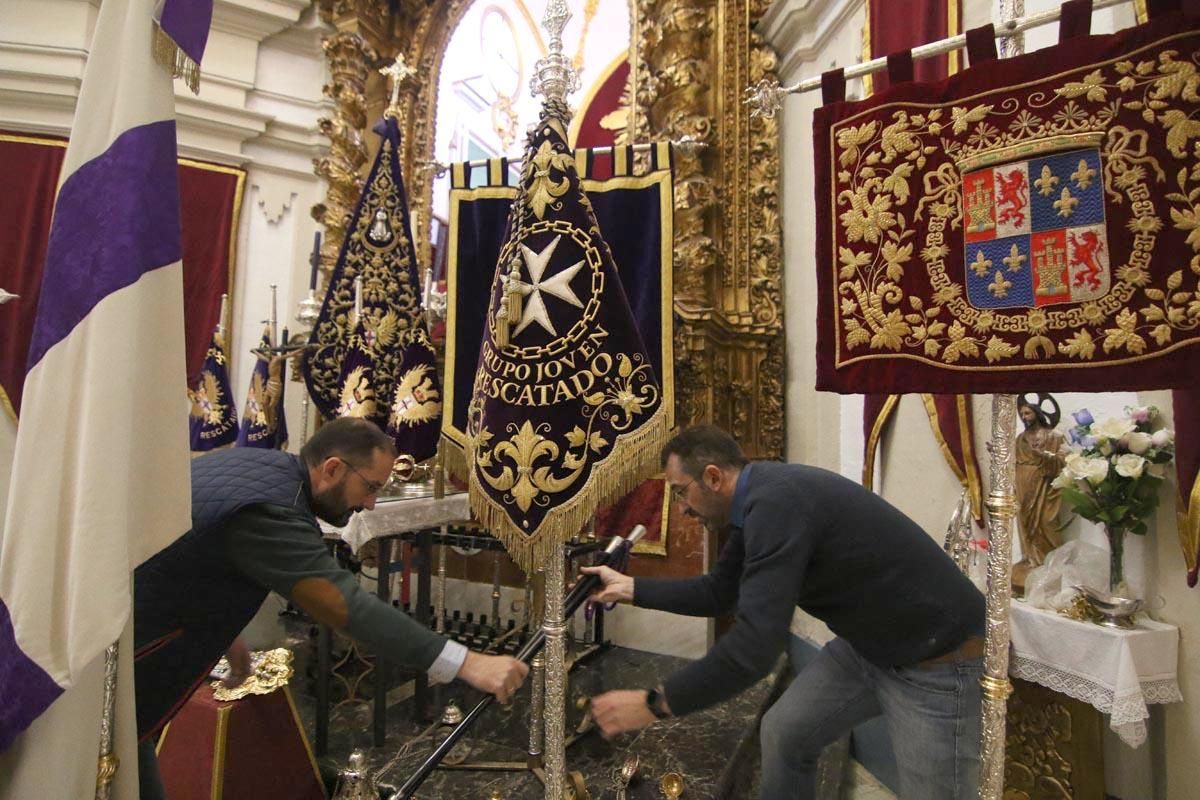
274 314
685 143
1004 30
221 326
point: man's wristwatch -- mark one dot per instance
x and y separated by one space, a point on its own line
654 702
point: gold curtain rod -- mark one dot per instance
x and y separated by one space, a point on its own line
768 95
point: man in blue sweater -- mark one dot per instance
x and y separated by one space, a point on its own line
909 625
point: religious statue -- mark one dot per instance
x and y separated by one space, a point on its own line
1041 451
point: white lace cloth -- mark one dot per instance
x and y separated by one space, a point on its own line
390 517
1118 671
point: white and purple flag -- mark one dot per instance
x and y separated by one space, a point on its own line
100 468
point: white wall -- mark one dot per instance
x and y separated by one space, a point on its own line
260 98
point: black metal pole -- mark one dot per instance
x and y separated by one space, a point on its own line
575 598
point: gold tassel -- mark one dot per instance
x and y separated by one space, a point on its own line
175 61
502 326
513 290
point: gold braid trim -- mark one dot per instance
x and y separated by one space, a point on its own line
634 457
885 413
1187 516
174 60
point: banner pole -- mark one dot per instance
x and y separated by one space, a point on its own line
106 768
554 627
1002 510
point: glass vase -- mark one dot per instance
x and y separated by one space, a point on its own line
1116 560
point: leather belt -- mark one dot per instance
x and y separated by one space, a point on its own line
970 649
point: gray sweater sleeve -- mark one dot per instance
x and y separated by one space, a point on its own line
778 546
276 548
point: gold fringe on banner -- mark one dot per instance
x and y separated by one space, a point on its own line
175 61
634 458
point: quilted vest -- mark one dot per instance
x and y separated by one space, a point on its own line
190 602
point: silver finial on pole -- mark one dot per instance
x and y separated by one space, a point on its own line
221 326
765 98
399 72
553 75
358 291
274 314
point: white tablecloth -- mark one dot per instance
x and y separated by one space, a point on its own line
1119 671
391 517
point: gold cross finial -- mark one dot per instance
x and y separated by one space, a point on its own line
399 72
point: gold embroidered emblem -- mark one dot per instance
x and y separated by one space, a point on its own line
1046 183
981 265
358 396
207 400
1049 262
1065 204
999 286
1083 175
416 398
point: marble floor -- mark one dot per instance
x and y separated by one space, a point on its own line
715 750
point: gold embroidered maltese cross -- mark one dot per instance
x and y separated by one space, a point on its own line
558 284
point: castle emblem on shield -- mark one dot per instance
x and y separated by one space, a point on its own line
1035 233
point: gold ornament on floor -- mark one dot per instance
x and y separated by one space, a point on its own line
272 669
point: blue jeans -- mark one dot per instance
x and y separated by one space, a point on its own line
932 714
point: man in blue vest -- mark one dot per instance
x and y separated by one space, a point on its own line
255 530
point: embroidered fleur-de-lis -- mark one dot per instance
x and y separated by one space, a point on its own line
1083 175
999 286
1065 204
981 265
1047 182
1014 259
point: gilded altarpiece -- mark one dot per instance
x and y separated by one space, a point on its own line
691 61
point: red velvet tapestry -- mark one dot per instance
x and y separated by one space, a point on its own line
210 197
1032 224
892 27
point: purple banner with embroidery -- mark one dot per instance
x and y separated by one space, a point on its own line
213 421
263 421
567 412
378 247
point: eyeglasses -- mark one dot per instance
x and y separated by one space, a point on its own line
678 492
373 487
